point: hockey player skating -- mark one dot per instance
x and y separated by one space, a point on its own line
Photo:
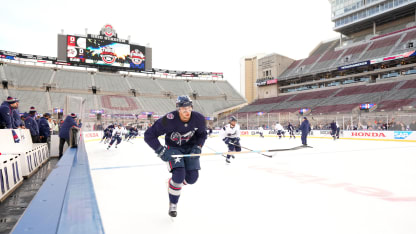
261 132
280 131
333 127
185 133
231 137
132 133
108 132
117 133
209 131
338 129
291 130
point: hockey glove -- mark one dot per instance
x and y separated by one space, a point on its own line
226 140
162 153
196 149
237 140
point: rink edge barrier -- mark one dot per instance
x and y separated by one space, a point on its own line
66 201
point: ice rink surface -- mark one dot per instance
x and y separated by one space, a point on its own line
336 187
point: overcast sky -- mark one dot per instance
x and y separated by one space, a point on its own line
185 35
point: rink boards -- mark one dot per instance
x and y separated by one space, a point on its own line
402 136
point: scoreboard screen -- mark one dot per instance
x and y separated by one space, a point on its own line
76 48
97 51
108 53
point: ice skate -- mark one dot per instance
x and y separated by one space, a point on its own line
172 210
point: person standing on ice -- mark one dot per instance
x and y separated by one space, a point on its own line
305 127
185 133
231 137
117 133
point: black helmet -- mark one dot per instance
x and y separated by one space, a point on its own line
183 100
233 118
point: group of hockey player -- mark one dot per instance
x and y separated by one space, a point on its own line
280 131
113 134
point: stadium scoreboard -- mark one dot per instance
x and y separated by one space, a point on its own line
105 49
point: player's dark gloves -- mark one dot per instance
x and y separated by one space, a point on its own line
196 149
162 152
237 140
226 140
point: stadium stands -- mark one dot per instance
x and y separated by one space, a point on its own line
313 95
163 105
205 88
111 83
328 56
394 104
380 47
177 87
118 104
339 100
27 75
72 80
411 84
291 69
363 89
30 98
227 89
145 85
113 91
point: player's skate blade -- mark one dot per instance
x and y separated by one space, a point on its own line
172 210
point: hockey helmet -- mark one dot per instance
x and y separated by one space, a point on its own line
183 100
233 118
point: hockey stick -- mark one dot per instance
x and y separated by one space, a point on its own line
224 155
214 150
270 156
241 152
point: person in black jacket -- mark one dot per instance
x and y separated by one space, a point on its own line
305 127
6 113
64 131
44 129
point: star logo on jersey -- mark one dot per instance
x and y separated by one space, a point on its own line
177 160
